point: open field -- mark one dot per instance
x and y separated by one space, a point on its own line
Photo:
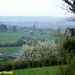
9 50
14 36
52 70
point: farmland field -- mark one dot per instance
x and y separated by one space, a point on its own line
52 70
9 50
14 36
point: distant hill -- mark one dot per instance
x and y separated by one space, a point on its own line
30 18
38 21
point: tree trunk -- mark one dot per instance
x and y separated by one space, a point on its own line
73 54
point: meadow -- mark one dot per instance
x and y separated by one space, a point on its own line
52 70
9 50
14 36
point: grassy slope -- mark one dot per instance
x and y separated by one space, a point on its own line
14 36
9 50
38 71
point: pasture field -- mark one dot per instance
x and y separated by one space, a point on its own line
52 70
14 36
9 50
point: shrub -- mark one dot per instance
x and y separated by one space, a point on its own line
69 69
32 33
45 52
5 65
69 44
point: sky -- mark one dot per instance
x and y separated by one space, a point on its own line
32 8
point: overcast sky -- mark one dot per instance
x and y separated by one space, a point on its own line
32 8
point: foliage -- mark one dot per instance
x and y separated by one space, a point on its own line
52 70
13 65
20 42
69 44
5 65
37 54
3 28
32 33
61 52
14 28
13 44
68 57
7 44
40 51
69 69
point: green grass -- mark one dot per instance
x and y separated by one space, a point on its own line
9 50
45 36
14 36
38 71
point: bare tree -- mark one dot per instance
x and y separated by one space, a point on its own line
71 5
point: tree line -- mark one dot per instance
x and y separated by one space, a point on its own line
4 28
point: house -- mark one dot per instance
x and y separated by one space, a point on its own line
3 56
15 55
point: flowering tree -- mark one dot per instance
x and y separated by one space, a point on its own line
39 50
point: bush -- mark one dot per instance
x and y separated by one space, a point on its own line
69 69
32 33
69 44
5 65
20 42
39 50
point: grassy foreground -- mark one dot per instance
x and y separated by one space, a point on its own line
52 70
